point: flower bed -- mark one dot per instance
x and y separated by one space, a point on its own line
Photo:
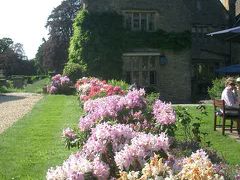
129 139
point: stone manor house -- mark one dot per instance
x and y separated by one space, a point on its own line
179 76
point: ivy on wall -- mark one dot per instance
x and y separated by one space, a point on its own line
100 39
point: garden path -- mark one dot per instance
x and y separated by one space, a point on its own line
13 106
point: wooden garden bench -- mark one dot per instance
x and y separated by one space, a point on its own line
226 113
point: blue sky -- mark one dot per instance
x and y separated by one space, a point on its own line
24 22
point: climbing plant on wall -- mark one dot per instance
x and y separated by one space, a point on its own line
99 40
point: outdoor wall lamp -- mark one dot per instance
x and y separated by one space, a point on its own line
163 59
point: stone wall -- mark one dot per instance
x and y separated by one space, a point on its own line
169 17
197 16
174 78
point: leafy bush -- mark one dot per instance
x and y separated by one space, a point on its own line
9 84
3 89
192 125
217 87
152 97
122 84
74 71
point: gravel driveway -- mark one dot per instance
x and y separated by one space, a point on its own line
13 106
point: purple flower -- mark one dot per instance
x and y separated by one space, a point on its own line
64 80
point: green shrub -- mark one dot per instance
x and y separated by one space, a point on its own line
34 78
3 89
122 84
152 97
217 87
9 84
191 125
74 71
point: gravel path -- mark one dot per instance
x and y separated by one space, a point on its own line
13 106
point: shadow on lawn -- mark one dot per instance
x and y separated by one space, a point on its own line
5 98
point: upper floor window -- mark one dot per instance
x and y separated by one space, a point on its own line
139 21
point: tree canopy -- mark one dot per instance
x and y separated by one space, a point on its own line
53 53
13 60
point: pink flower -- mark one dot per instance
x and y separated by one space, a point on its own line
164 113
69 133
141 147
100 169
52 90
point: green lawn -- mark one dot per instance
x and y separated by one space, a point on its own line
227 147
34 144
37 86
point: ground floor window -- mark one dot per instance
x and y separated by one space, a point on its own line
141 78
141 69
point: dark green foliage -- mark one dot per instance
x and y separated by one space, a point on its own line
96 43
12 59
217 87
151 89
74 71
159 39
52 53
3 89
5 44
23 67
99 40
152 97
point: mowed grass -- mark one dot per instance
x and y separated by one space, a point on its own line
33 144
227 147
37 86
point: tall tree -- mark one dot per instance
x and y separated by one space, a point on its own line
18 49
5 44
53 53
13 60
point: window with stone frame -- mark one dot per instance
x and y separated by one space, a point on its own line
139 20
141 69
200 31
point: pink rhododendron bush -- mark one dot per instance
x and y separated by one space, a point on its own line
126 138
59 85
92 88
